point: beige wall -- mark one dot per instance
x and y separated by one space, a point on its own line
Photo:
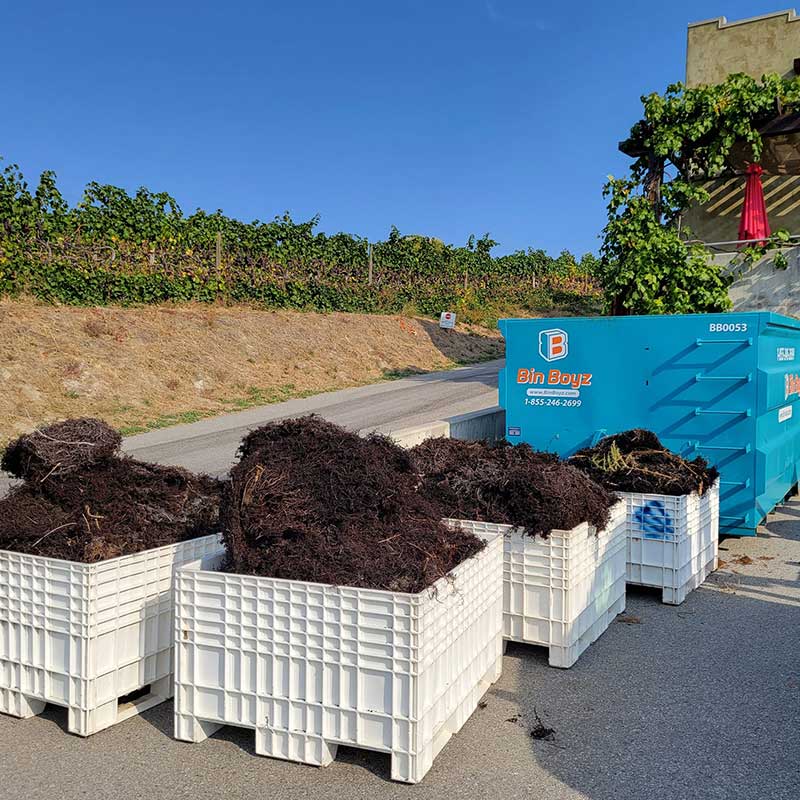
716 48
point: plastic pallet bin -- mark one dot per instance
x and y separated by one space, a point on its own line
672 541
561 592
310 666
84 635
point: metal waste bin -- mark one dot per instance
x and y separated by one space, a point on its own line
724 386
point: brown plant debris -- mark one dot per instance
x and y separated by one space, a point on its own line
509 484
311 501
60 449
636 461
542 731
86 504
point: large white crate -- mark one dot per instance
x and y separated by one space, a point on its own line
561 592
672 541
311 666
84 635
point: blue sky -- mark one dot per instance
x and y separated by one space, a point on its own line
443 117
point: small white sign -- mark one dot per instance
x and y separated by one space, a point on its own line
785 354
447 319
784 413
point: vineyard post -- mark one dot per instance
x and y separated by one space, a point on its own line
369 250
219 250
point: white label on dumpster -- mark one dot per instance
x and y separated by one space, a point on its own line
553 393
447 319
784 413
785 354
728 327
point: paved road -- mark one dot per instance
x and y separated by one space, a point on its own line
210 445
699 702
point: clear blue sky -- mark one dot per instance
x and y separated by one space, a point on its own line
443 117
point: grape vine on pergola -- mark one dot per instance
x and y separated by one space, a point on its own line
685 137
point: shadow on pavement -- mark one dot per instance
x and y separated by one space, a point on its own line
698 701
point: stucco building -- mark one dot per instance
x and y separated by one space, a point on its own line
714 49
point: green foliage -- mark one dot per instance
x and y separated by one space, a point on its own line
648 267
117 248
695 129
647 264
773 245
108 213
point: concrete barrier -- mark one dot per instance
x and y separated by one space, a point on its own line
489 424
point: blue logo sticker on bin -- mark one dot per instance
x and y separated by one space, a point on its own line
654 521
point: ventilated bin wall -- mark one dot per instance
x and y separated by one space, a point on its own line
311 666
561 592
84 635
672 541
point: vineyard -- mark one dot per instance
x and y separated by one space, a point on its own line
113 248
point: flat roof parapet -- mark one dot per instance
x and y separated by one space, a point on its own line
722 22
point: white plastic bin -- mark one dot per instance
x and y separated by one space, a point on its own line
310 666
561 592
84 635
672 541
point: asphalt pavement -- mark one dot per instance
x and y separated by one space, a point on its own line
210 445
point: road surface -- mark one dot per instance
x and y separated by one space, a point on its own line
210 445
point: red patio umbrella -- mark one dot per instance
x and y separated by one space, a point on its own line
754 223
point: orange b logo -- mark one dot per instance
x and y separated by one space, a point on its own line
553 344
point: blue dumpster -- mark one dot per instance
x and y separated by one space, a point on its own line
724 386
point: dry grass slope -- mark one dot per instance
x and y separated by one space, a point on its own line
142 368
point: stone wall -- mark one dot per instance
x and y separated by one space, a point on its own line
762 287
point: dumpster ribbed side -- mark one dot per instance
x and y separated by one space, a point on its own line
723 386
